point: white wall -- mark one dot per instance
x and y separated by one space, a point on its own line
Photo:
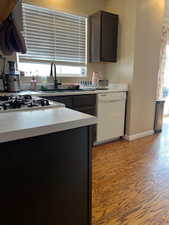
122 71
139 41
167 9
146 64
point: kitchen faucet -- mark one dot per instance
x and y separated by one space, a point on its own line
54 75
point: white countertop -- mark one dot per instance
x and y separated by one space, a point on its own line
20 125
25 124
113 88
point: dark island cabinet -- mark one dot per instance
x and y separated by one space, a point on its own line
103 37
46 180
82 103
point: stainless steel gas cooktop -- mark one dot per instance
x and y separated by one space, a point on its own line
24 103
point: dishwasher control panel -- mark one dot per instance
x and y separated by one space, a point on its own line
112 96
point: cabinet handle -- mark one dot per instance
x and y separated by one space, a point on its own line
109 101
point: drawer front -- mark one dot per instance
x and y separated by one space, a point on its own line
87 110
67 100
84 100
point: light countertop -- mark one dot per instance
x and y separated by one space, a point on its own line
113 88
25 124
20 125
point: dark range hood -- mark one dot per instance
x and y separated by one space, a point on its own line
11 39
6 9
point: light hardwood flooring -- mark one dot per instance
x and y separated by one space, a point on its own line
131 181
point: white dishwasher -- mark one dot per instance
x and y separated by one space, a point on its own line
111 116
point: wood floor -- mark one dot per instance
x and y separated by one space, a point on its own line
131 182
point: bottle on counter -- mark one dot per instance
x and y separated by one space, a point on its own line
33 84
95 79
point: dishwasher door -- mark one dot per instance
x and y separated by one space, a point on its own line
111 116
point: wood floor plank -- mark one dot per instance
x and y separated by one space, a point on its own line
131 182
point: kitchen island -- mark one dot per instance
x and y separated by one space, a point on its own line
45 167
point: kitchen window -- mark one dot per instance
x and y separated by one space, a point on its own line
53 36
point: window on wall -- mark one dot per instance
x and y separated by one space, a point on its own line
53 36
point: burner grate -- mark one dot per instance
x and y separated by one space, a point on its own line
22 102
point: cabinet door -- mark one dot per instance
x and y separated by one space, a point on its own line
103 37
86 104
91 111
95 37
46 180
109 37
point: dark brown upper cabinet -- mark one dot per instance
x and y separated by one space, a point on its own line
103 28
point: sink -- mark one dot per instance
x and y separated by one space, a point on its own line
65 90
60 90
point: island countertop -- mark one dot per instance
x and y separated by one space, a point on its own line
25 124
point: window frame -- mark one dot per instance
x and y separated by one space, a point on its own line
59 63
59 75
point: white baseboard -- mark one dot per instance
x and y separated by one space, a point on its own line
139 135
106 141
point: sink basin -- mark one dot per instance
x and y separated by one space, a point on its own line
60 90
65 90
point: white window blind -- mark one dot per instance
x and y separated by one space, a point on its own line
54 36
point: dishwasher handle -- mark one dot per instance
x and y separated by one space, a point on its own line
112 97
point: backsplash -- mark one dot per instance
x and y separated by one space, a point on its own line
91 67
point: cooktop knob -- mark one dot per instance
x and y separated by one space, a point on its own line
4 106
30 104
